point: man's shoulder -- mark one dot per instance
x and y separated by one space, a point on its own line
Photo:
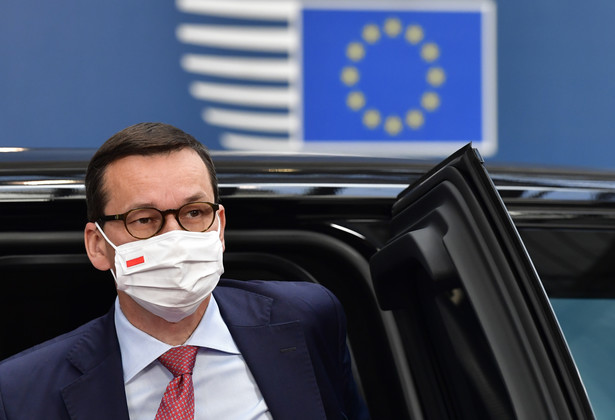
284 290
50 351
310 302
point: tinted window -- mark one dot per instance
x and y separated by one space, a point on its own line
577 268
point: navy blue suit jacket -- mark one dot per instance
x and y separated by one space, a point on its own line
292 335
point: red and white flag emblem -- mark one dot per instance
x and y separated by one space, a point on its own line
135 261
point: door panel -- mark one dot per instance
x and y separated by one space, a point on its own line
479 333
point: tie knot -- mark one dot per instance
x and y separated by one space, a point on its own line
179 360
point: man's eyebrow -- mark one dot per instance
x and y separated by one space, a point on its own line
201 196
197 197
141 206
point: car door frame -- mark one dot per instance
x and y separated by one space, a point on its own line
452 238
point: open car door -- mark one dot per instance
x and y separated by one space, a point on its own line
478 331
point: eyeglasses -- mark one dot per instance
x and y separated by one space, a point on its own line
143 223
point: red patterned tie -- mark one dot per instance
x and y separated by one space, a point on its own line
178 400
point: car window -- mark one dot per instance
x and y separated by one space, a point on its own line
577 267
589 328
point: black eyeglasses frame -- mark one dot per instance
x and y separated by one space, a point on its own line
175 212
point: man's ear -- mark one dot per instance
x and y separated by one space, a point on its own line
222 216
96 247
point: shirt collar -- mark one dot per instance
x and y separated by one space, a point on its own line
140 349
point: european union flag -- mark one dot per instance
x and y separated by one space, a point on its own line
392 76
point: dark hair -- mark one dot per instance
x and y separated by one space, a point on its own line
143 139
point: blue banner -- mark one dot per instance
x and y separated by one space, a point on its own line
405 78
392 75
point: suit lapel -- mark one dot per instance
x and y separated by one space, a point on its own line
276 354
99 392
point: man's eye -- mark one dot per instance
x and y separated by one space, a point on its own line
194 213
143 219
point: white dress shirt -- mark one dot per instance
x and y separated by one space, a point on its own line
224 388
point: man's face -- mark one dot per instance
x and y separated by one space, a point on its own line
165 181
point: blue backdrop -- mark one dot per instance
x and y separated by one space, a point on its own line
72 73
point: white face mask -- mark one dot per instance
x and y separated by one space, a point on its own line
170 274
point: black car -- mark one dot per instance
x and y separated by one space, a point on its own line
448 318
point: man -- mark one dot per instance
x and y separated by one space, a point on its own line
170 348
